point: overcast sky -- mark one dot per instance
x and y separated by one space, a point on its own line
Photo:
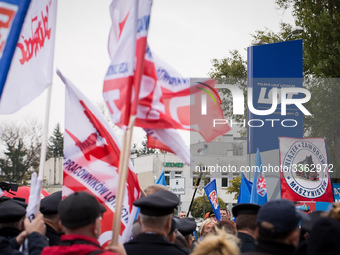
187 34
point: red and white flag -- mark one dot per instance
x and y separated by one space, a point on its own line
127 45
31 69
305 170
91 160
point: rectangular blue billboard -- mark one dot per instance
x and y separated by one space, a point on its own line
276 65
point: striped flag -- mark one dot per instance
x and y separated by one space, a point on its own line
91 159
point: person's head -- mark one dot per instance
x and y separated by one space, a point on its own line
12 214
334 213
277 221
227 226
207 226
186 226
49 208
182 214
81 213
225 214
245 215
154 188
218 243
156 211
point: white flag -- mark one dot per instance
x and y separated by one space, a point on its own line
31 70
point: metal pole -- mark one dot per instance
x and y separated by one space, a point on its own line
193 196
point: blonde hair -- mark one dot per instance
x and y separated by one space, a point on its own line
204 223
218 243
334 213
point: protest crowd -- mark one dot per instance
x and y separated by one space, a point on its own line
72 226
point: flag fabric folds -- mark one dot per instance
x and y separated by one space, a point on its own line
245 190
91 159
31 68
12 15
211 192
259 189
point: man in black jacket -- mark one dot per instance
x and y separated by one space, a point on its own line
245 215
49 208
277 228
155 218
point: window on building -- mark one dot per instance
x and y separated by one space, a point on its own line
224 180
178 174
205 179
167 177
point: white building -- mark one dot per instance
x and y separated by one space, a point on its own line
220 160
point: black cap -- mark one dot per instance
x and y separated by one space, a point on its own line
158 204
11 211
186 225
279 217
79 209
314 217
245 208
49 204
173 225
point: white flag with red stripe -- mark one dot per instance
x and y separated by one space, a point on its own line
91 160
127 44
31 69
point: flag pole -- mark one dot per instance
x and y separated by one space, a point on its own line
122 176
193 196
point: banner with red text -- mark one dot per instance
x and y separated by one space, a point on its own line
12 17
31 69
91 160
305 170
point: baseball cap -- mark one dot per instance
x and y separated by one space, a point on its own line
279 217
79 209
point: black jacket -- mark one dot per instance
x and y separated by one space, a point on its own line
152 244
247 242
268 248
36 243
52 235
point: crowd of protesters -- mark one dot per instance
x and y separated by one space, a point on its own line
73 226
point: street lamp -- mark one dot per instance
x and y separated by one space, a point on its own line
295 31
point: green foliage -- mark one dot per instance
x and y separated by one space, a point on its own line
234 186
268 36
22 151
201 206
55 147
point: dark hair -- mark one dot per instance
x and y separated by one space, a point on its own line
246 221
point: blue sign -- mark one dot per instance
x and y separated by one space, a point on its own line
276 65
211 191
336 192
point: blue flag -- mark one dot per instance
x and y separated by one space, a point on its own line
259 189
211 191
161 179
245 190
13 14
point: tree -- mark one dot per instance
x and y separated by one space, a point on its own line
201 205
320 20
234 187
145 150
55 147
230 70
22 150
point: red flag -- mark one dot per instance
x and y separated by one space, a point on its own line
91 159
305 170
